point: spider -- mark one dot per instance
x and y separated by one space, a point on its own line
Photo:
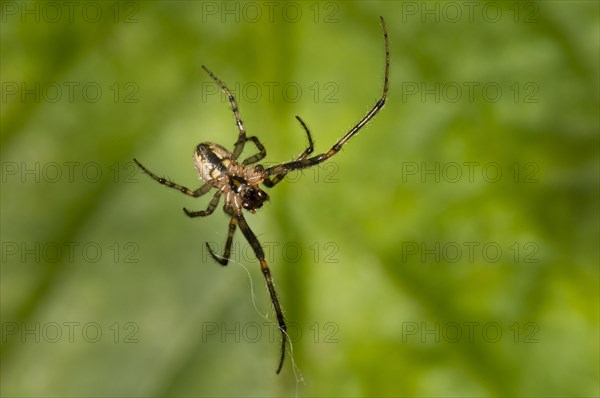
239 181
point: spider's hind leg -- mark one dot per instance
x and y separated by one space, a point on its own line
227 253
262 152
209 210
163 181
239 144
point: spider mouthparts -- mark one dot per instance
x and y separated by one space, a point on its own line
253 198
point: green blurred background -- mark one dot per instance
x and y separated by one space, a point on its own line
451 249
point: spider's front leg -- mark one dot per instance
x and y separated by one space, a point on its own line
305 162
260 255
278 177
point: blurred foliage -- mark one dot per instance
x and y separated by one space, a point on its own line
451 249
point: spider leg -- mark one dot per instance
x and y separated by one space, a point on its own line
198 192
308 162
209 210
239 144
262 152
260 255
225 258
278 177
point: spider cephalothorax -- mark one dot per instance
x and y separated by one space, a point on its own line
239 182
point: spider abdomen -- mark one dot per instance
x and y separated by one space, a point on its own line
212 161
